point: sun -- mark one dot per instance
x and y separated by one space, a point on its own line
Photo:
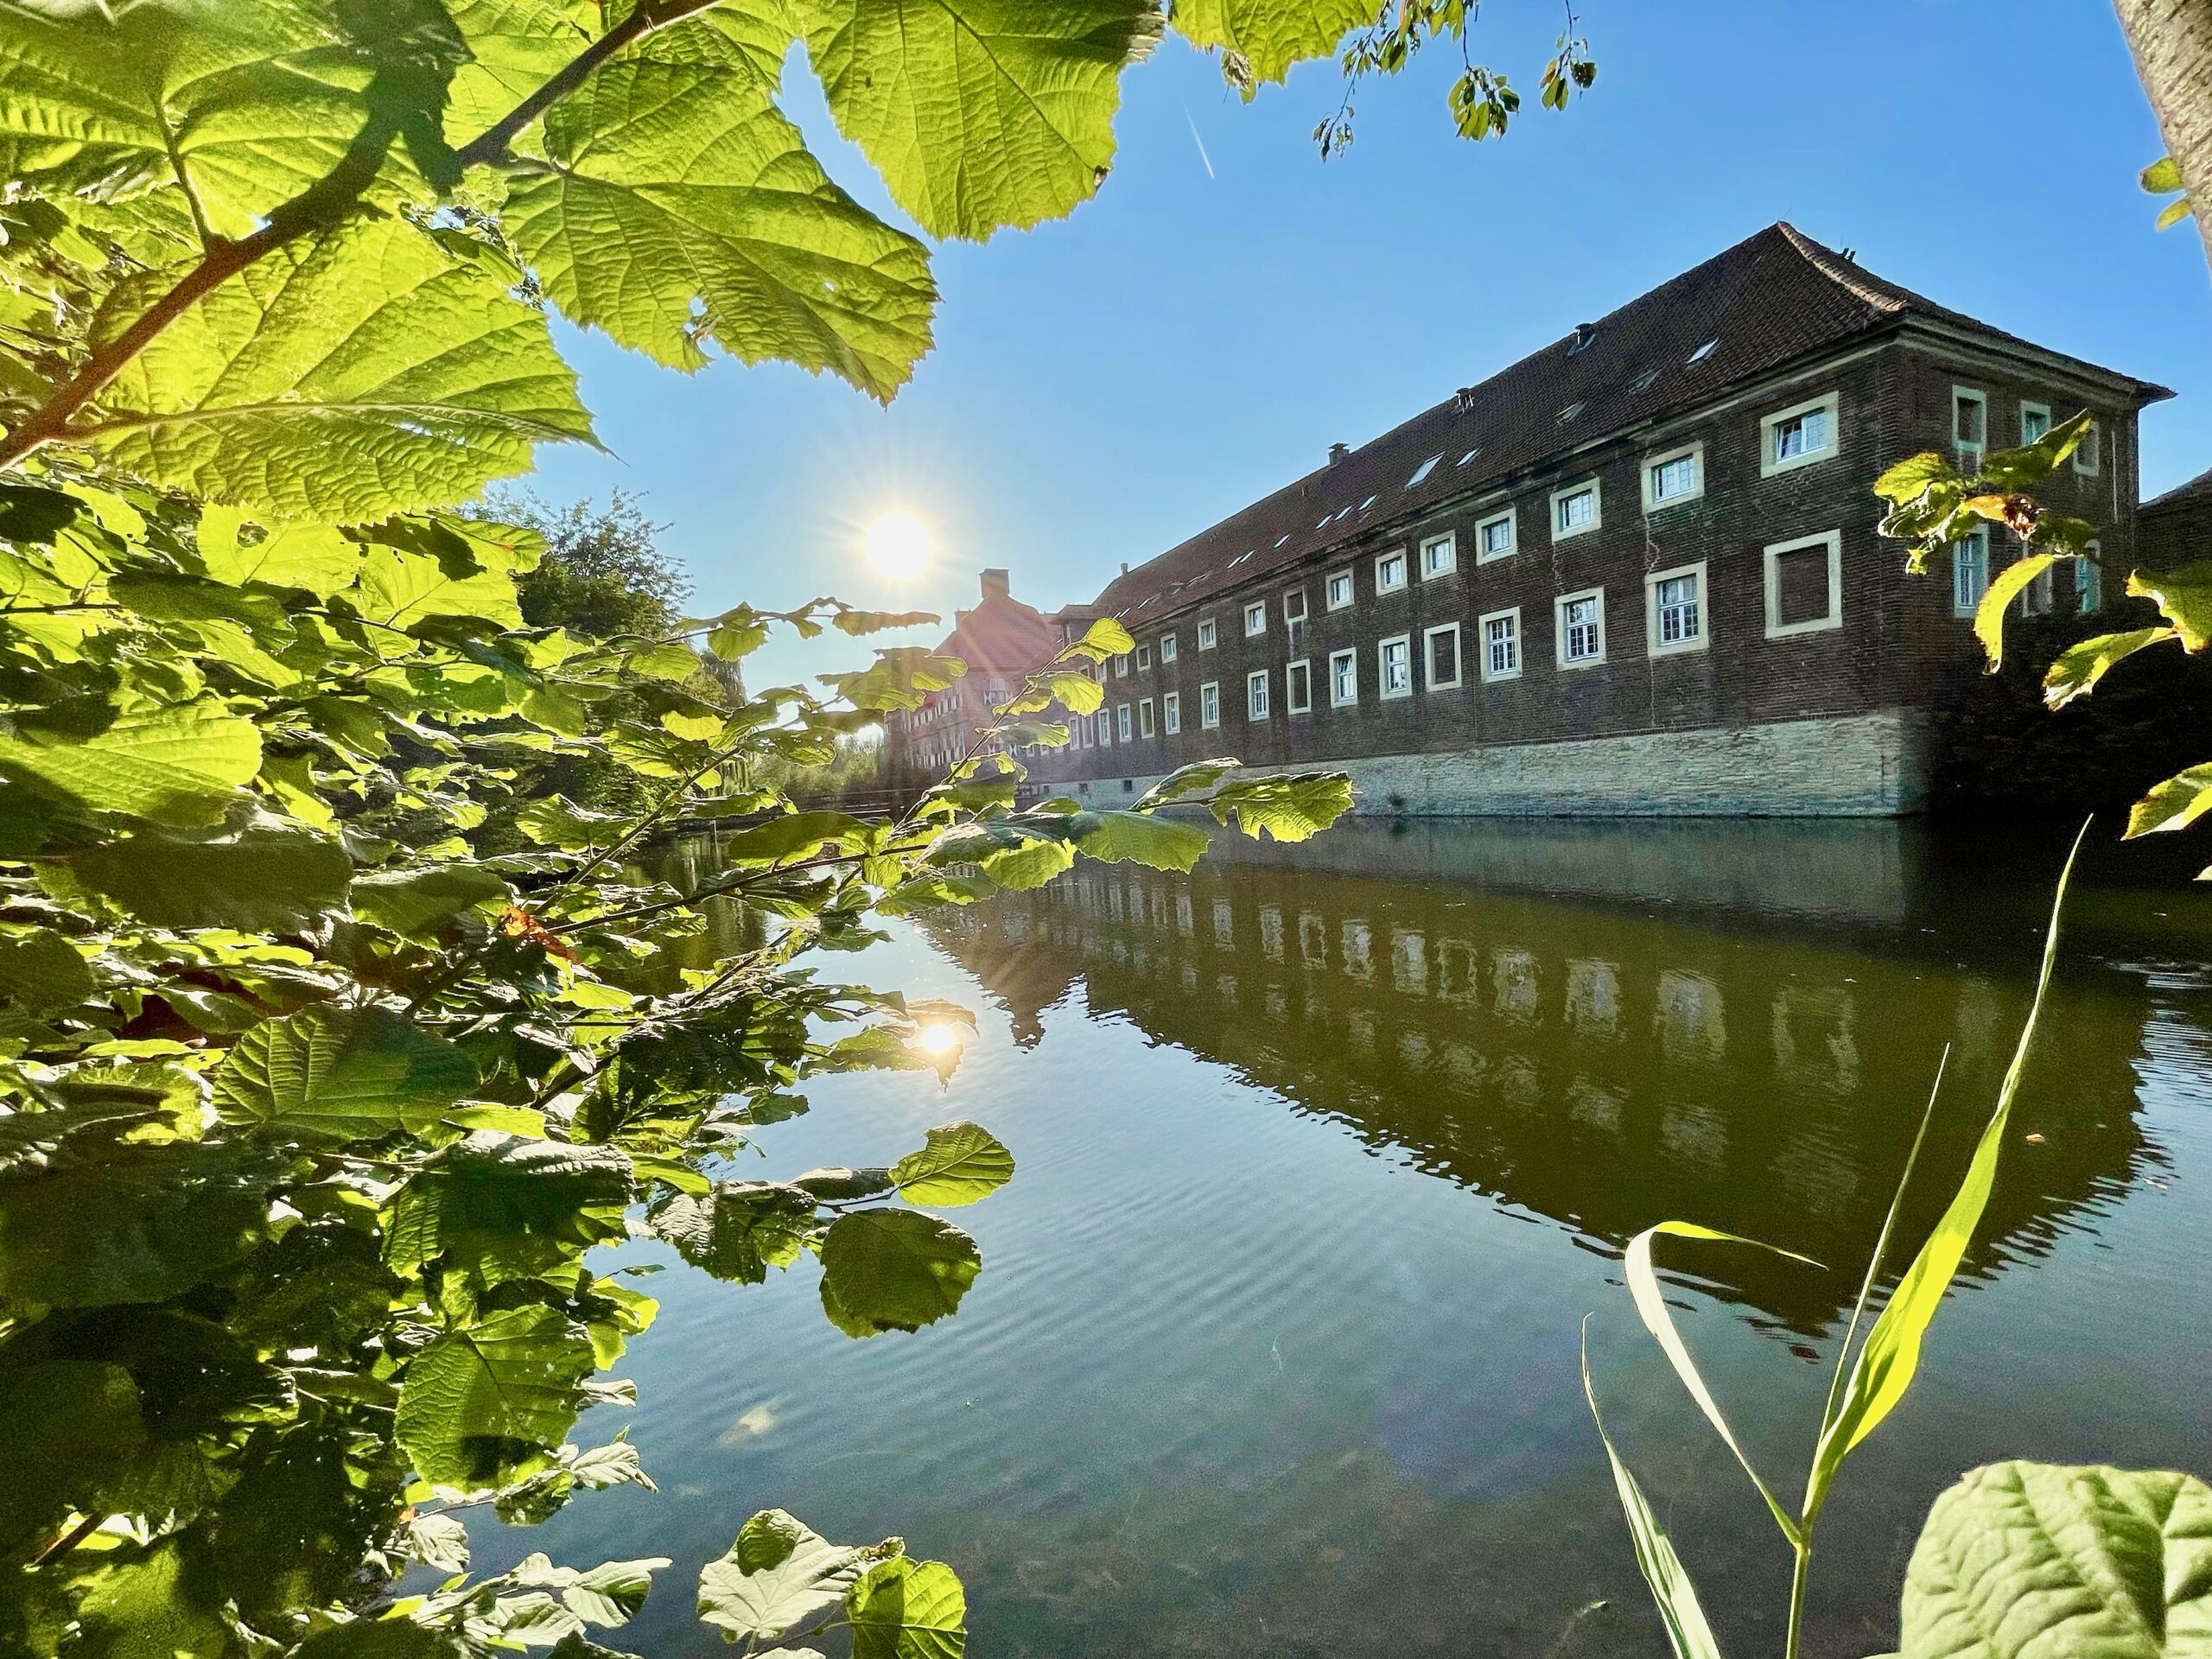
899 544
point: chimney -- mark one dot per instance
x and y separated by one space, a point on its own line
1338 452
995 584
1125 566
1583 333
1463 401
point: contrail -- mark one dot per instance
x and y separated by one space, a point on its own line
1200 141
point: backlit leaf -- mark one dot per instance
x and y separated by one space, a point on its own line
1290 808
905 1608
480 1404
357 1072
2175 804
420 901
1270 35
176 765
959 1163
267 876
779 1574
42 973
894 1271
1138 838
2009 584
2079 667
2183 595
741 1230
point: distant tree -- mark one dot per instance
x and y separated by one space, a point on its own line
603 572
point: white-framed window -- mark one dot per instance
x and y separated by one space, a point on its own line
1673 601
1171 713
2088 584
1798 435
1144 659
1500 644
1209 704
1294 604
2089 454
1576 510
1439 650
1394 667
1122 666
1581 628
1256 695
1209 636
1100 670
1390 571
1674 476
1166 649
1256 617
1144 716
2035 421
1804 584
1105 729
1297 687
1344 678
1970 427
1336 594
1494 537
1440 556
1121 722
1969 571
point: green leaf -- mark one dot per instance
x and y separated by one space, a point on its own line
2184 595
403 590
2009 584
1187 780
795 834
1909 479
502 1206
313 559
42 973
1290 808
2172 214
1886 1364
741 1230
682 209
154 1601
894 1271
480 1406
611 1593
779 1574
1136 837
2175 804
959 1163
2162 176
979 113
1270 35
2080 666
904 1608
342 1073
177 764
2029 465
2031 1558
420 902
1688 1633
70 1425
556 820
267 876
344 376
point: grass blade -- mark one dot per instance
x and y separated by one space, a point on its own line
1688 1633
1886 1364
1651 1304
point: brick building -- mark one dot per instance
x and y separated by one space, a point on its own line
1637 572
1001 640
2175 528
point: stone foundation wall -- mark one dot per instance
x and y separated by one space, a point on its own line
1860 766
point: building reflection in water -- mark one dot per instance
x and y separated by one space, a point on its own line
1750 1065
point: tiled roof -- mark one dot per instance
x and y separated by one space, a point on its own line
1771 300
1001 635
2197 492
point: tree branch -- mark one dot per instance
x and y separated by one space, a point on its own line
2172 44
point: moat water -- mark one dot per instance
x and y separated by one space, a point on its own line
1325 1152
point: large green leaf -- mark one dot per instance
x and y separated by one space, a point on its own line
343 376
403 590
682 209
1290 807
1138 838
341 1072
42 973
2079 667
178 764
2011 582
2183 595
482 1405
267 876
741 1230
420 901
155 1601
1270 35
894 1271
2027 1559
69 1425
959 1163
779 1574
979 113
905 1608
2178 801
502 1206
313 557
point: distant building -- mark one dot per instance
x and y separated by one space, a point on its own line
2175 528
1637 572
1001 640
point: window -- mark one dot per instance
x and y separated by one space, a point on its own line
1256 695
1969 572
1703 351
1969 427
1297 687
1294 604
1144 717
1424 470
1344 678
1502 644
1675 602
1494 537
2088 584
1440 647
1121 722
1797 436
1209 704
1144 659
1122 666
1676 476
1395 667
2036 598
1206 635
1337 594
1804 584
1439 556
1575 509
2035 421
2088 455
1105 729
1171 712
1390 571
1256 617
1166 649
1581 619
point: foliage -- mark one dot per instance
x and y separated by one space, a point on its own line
1483 100
601 573
2001 1551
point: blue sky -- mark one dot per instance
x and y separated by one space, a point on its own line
1229 304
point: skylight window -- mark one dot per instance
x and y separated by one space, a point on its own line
1704 350
1643 382
1569 413
1469 456
1281 539
1365 505
1240 559
1322 523
1424 469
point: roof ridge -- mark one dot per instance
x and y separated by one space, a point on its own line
1845 275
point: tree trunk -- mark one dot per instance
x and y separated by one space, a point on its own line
2172 44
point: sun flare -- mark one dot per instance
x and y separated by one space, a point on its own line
899 544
